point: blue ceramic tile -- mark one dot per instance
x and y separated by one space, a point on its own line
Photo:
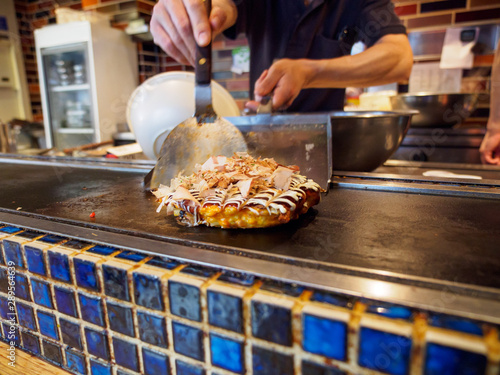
227 353
115 282
98 368
309 368
120 319
390 311
125 354
97 343
70 333
76 244
272 323
48 325
184 368
25 316
13 256
147 291
41 293
267 362
385 352
10 230
51 238
91 309
30 234
85 274
199 271
325 337
282 288
52 352
152 329
155 363
132 256
188 341
184 300
163 263
4 308
237 278
443 360
102 250
31 342
22 287
65 300
59 266
456 324
225 311
11 333
35 260
75 362
332 299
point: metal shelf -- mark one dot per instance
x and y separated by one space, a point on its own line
76 130
81 87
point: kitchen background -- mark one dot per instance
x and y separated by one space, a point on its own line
425 20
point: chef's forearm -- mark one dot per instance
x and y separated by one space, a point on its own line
389 60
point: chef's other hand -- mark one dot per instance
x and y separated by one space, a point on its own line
177 25
285 78
490 147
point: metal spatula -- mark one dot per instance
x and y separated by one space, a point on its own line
205 134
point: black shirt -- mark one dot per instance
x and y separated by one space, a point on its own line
324 29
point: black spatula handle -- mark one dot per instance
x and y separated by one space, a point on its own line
203 68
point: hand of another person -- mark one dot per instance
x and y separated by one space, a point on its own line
490 147
177 25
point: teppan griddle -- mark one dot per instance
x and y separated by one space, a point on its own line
413 232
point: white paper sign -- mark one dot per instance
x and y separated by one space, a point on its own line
429 77
457 54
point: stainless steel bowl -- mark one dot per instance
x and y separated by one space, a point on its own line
364 140
436 110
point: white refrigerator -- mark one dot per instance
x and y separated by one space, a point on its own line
87 71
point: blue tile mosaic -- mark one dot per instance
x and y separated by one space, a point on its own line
76 244
237 278
282 287
188 341
163 263
148 291
393 312
267 362
225 311
22 287
120 319
184 368
132 256
456 324
52 352
184 300
30 234
75 362
375 351
309 368
155 363
91 309
13 256
10 229
35 260
85 274
59 266
48 325
97 343
41 293
325 337
115 282
443 360
70 333
272 323
99 368
11 333
199 271
126 354
152 329
52 239
65 300
25 316
227 353
4 308
332 299
31 342
102 250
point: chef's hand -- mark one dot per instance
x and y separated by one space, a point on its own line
490 147
284 79
177 25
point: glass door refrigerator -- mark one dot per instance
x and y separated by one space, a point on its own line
87 72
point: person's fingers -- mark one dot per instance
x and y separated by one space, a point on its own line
283 95
252 105
198 16
182 28
218 18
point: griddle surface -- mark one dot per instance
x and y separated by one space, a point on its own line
446 238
